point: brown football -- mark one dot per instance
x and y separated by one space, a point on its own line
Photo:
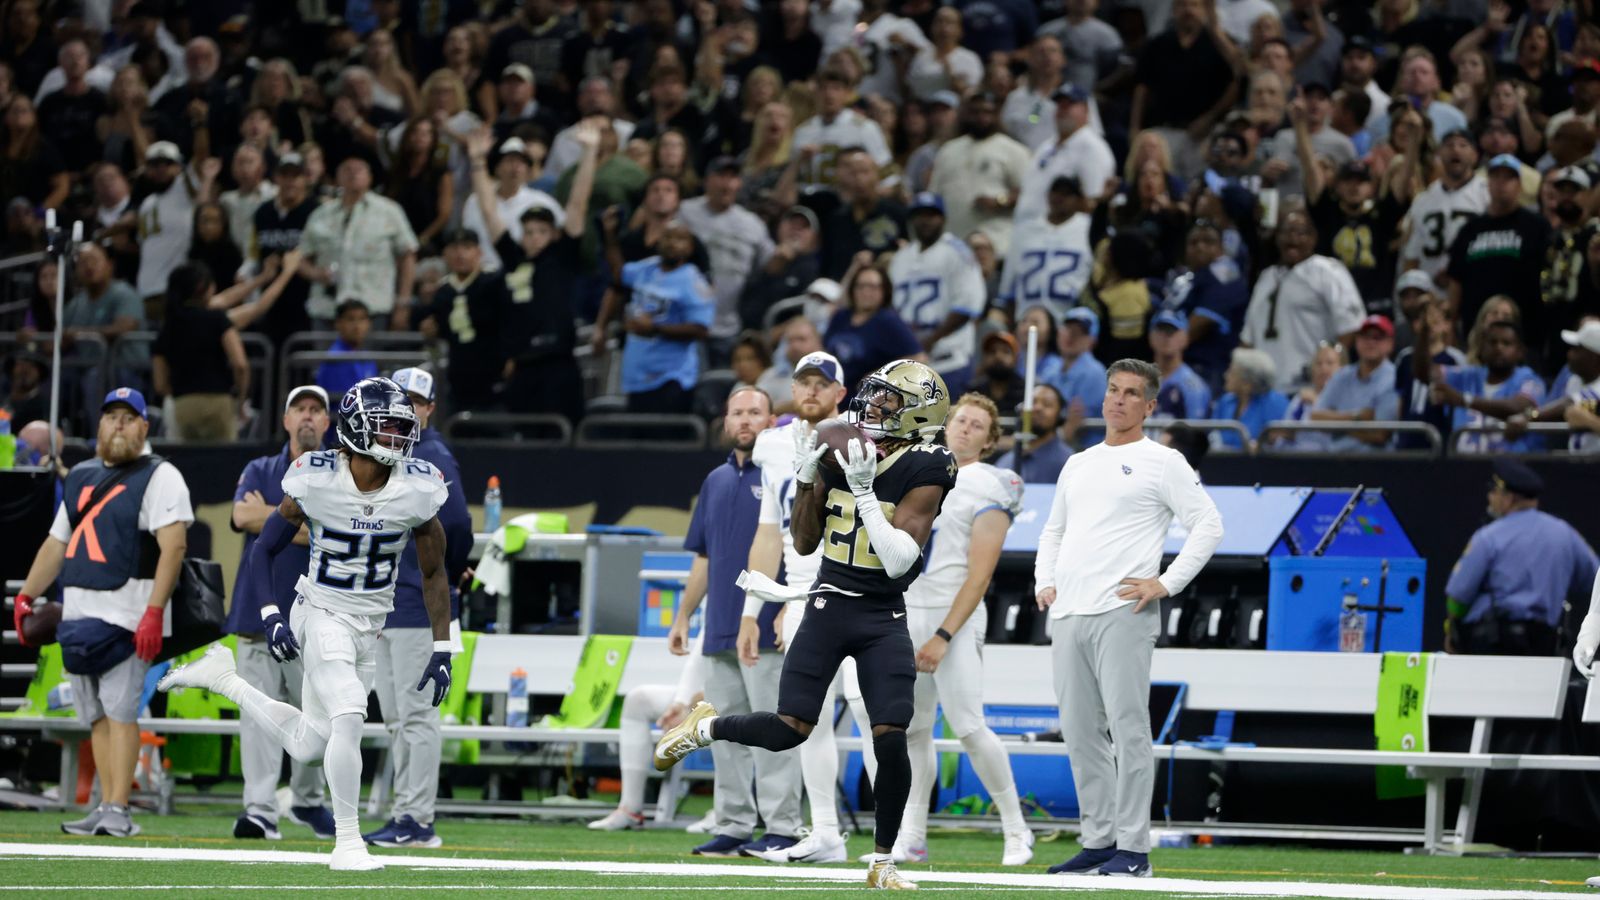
39 628
836 435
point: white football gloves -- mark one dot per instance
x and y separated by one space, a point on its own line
860 467
1583 650
807 455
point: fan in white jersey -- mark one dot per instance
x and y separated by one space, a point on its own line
817 395
938 291
835 128
361 504
947 621
885 42
1049 262
1437 214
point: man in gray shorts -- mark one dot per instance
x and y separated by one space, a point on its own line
117 544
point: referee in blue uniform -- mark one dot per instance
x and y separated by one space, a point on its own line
260 490
1506 593
406 643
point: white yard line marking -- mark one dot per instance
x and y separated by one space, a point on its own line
1193 886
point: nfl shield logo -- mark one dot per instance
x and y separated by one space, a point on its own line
367 511
821 602
1127 471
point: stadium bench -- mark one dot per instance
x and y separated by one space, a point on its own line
1481 688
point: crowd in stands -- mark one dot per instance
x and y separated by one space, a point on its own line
1319 210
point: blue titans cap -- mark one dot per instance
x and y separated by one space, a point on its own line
927 200
1083 316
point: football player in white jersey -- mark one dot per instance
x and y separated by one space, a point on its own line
1048 263
817 395
361 503
947 621
938 291
1437 214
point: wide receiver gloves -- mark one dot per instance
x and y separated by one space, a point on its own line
1589 634
897 550
438 672
807 455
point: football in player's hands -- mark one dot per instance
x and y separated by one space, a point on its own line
835 434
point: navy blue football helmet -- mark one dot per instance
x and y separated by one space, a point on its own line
376 419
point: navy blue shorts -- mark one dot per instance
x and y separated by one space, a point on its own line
872 630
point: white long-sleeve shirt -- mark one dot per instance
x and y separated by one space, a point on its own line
1109 520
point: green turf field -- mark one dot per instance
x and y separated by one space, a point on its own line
511 839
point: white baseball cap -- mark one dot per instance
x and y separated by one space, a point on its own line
415 381
166 150
824 362
1416 279
827 289
304 389
1587 336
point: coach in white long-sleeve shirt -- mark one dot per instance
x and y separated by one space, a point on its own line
1099 574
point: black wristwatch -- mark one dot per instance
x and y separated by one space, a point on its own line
944 634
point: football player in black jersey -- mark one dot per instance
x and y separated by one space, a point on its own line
872 518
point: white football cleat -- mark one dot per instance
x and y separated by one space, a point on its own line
353 858
1019 849
816 847
704 824
618 820
205 672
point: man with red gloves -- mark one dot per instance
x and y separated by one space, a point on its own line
117 544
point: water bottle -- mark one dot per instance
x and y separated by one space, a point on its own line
517 705
60 697
491 505
1352 627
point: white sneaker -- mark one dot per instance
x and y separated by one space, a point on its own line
903 853
1019 849
705 823
618 820
353 858
204 672
816 847
1593 882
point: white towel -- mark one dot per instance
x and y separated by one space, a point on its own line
759 589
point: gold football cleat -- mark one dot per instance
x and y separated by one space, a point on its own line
683 738
885 877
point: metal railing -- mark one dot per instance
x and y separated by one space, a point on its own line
259 356
1551 448
1428 432
297 345
509 428
636 430
1207 425
86 356
17 287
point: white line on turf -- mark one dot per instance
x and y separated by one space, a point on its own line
1188 886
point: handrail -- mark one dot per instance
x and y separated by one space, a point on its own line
585 438
1199 424
1435 442
311 358
315 341
262 372
553 420
24 259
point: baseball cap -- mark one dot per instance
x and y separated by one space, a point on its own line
459 236
723 164
1572 175
1170 319
1355 168
805 213
823 361
1085 317
1357 42
1587 337
304 389
1317 87
827 289
1004 337
1416 280
1070 92
165 150
292 161
1381 323
127 397
1517 478
415 381
945 98
1506 161
517 70
514 145
1496 124
927 200
1585 68
1462 133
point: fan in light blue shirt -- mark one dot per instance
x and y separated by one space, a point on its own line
1184 394
1363 390
671 309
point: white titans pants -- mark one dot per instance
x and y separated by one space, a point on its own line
411 719
260 753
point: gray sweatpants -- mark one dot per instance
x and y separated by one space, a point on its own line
260 754
412 721
735 689
1102 675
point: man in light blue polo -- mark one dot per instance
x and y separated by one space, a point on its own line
1082 378
1184 394
1362 391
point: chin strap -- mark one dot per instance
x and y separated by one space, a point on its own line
897 550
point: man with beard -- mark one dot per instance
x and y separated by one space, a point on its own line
998 378
1502 251
116 546
260 490
1303 301
1076 151
166 218
1354 228
720 535
1038 457
1213 294
980 174
1438 213
1498 389
1560 284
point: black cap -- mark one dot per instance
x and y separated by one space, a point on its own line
1355 168
1357 42
1066 184
1315 87
539 214
1462 133
459 236
1497 124
723 164
1517 478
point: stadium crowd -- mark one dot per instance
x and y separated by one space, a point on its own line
1327 210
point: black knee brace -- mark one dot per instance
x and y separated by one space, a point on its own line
893 786
763 729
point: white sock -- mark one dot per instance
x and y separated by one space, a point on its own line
819 767
874 858
702 730
993 767
924 766
342 764
633 780
296 731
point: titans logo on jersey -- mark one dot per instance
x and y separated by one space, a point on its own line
848 561
356 537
